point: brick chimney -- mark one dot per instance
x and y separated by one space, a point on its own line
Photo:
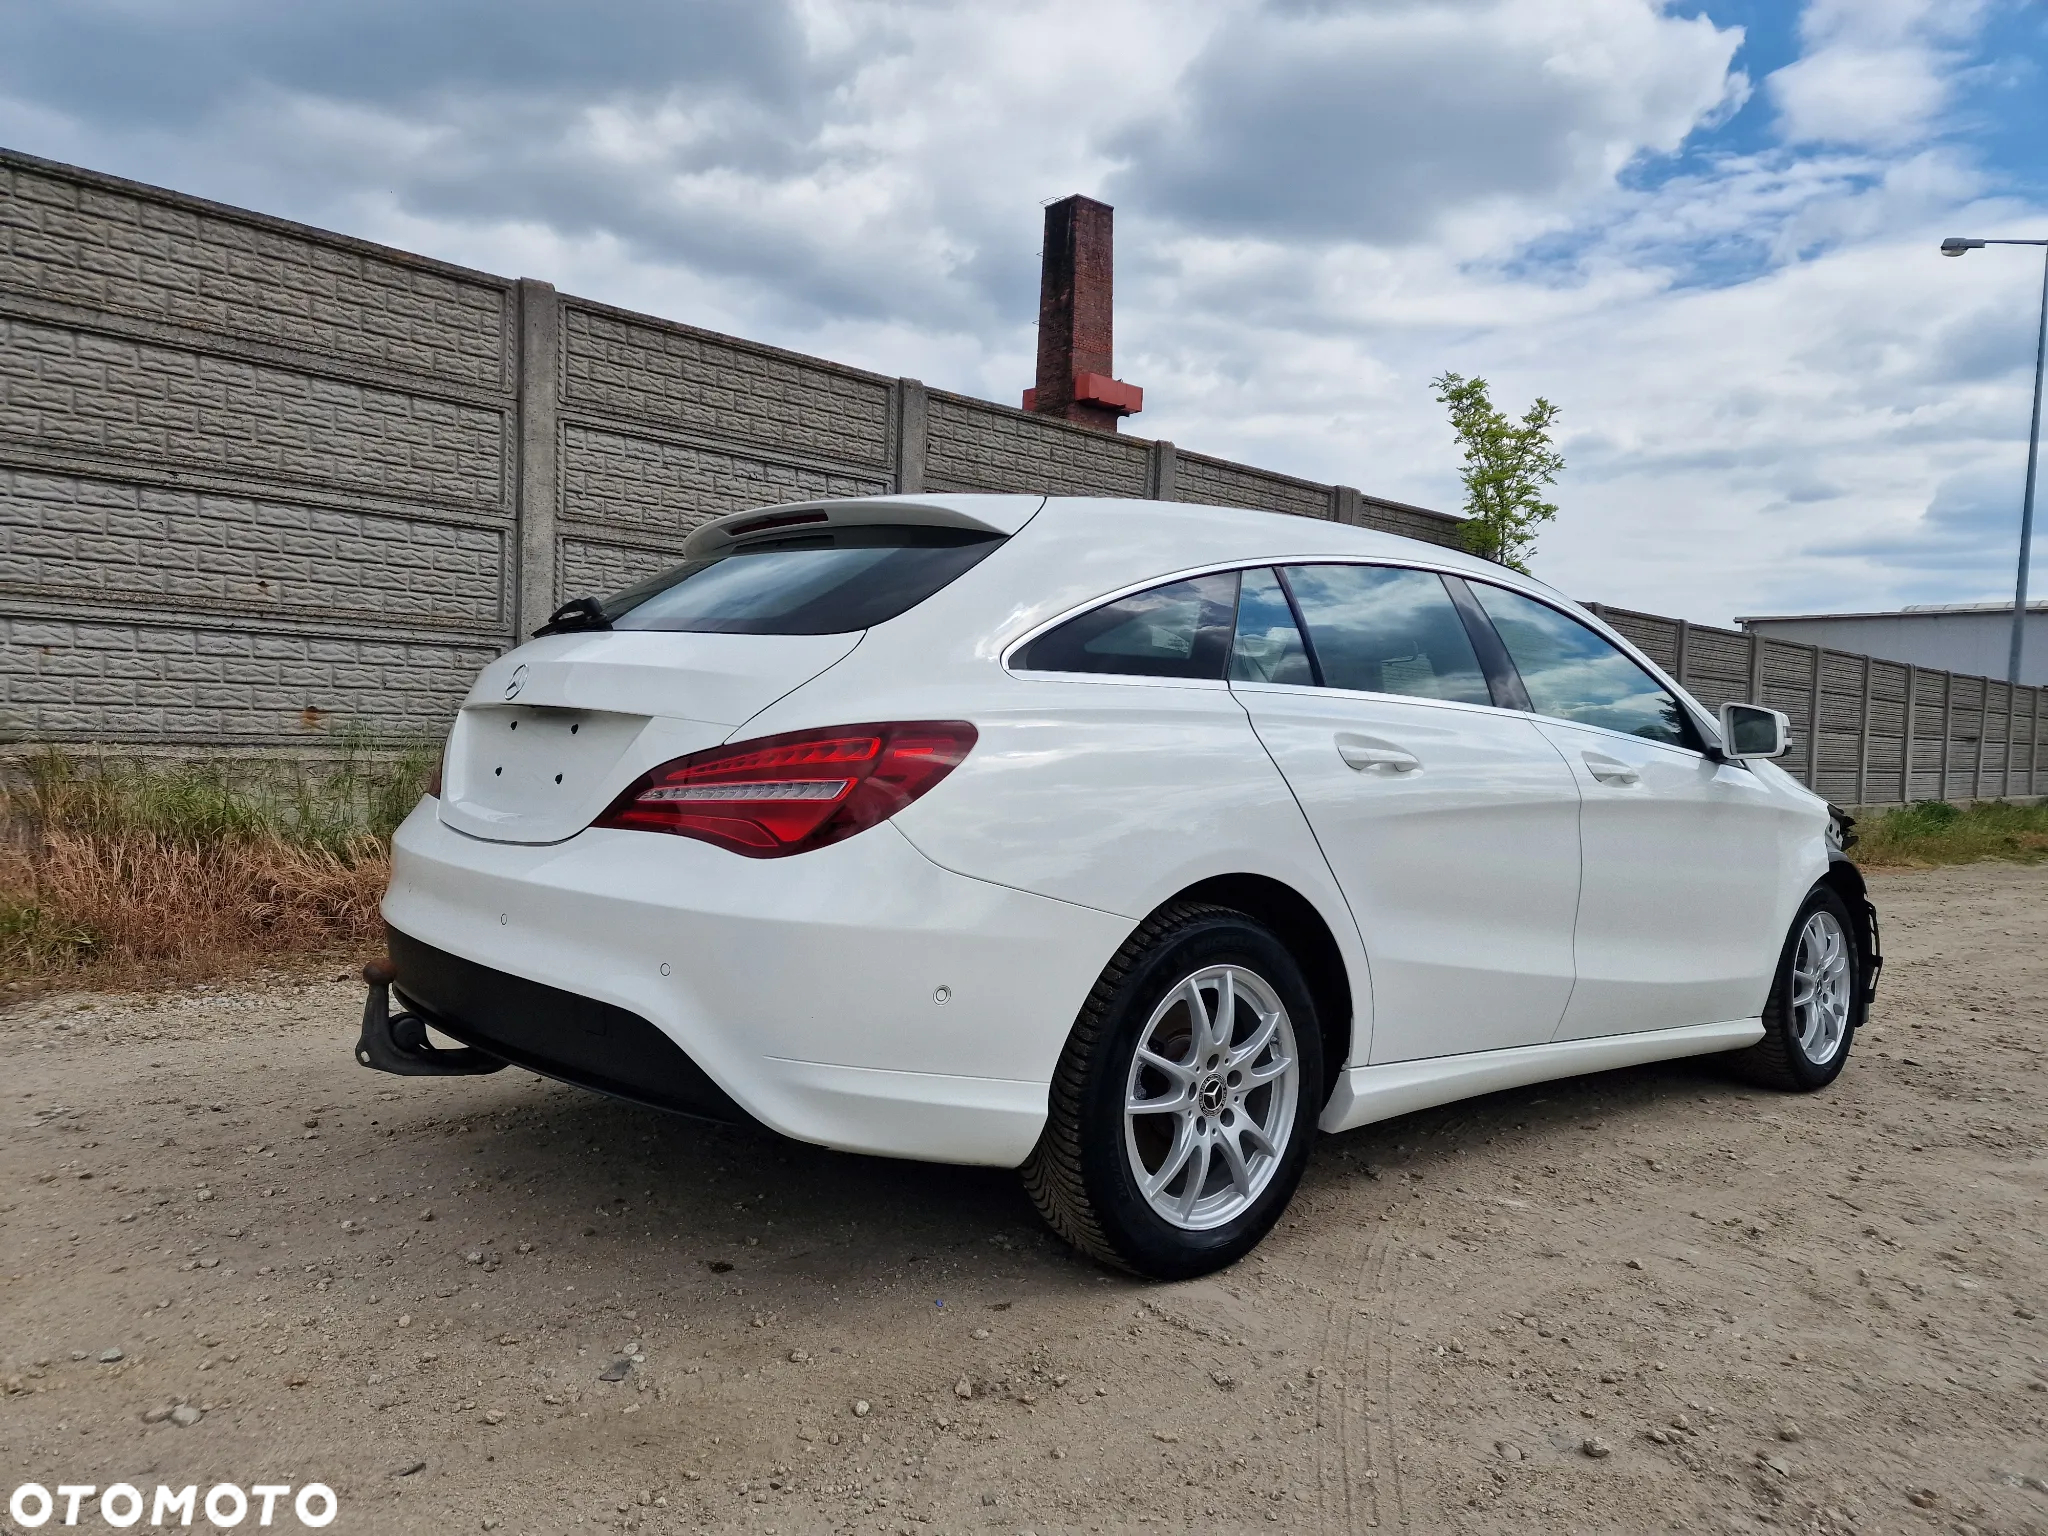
1075 308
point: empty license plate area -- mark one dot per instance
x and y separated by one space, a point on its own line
533 769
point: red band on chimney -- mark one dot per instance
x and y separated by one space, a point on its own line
1125 399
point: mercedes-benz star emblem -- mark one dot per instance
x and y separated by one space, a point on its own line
516 682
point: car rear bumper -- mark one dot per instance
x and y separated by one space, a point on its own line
559 1034
857 996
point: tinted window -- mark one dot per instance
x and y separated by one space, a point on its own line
1384 630
1268 646
1182 630
1573 674
823 583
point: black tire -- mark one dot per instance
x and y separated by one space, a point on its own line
1080 1176
1779 1060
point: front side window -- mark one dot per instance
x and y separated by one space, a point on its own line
1572 673
1382 629
822 583
1268 646
1181 630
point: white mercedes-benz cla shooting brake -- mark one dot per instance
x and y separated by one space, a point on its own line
1126 843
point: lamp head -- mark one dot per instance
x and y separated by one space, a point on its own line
1955 246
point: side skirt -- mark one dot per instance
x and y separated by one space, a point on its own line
1366 1094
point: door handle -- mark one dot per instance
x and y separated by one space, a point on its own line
1610 770
1363 753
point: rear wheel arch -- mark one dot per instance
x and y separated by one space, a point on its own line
1295 922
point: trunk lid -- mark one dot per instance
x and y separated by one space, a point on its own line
555 729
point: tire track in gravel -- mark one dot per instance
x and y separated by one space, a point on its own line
1358 1482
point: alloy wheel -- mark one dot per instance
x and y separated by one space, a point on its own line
1821 988
1210 1100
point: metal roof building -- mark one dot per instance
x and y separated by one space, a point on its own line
1973 638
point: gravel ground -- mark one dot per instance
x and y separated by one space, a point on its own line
1653 1300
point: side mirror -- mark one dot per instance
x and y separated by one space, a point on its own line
1749 730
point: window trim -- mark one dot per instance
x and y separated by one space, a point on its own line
1503 677
1308 649
1308 641
1279 564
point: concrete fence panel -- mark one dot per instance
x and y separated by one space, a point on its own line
257 480
1219 483
975 445
661 427
1864 731
254 478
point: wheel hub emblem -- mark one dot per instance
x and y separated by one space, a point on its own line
1212 1095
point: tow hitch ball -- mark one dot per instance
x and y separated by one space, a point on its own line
399 1044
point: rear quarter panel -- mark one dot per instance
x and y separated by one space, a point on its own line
1108 793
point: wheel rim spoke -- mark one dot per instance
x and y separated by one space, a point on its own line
1279 1066
1198 1019
1180 1100
1181 1091
1184 1140
1179 1071
1261 1143
1244 1055
1234 1163
1223 1021
1198 1175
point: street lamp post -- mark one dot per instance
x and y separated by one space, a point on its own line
1958 247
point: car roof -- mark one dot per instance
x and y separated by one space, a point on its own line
1155 537
1122 540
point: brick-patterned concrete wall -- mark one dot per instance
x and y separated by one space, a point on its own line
664 427
257 479
1220 483
1970 738
73 536
116 398
973 445
637 368
115 248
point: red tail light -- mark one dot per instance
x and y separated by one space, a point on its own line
788 794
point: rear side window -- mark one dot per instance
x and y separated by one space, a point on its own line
1381 629
1571 673
815 583
1180 630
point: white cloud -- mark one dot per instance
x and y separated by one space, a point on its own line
1384 122
1768 378
1874 72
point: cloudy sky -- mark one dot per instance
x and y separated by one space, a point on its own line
1706 228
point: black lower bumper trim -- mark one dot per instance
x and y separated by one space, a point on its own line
558 1034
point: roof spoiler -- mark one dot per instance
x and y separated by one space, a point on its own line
998 515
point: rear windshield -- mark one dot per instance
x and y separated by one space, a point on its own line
814 583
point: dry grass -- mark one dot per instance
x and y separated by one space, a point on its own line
1935 832
121 874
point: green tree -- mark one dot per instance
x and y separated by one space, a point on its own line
1507 465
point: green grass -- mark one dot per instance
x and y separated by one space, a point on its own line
331 805
127 871
1935 832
